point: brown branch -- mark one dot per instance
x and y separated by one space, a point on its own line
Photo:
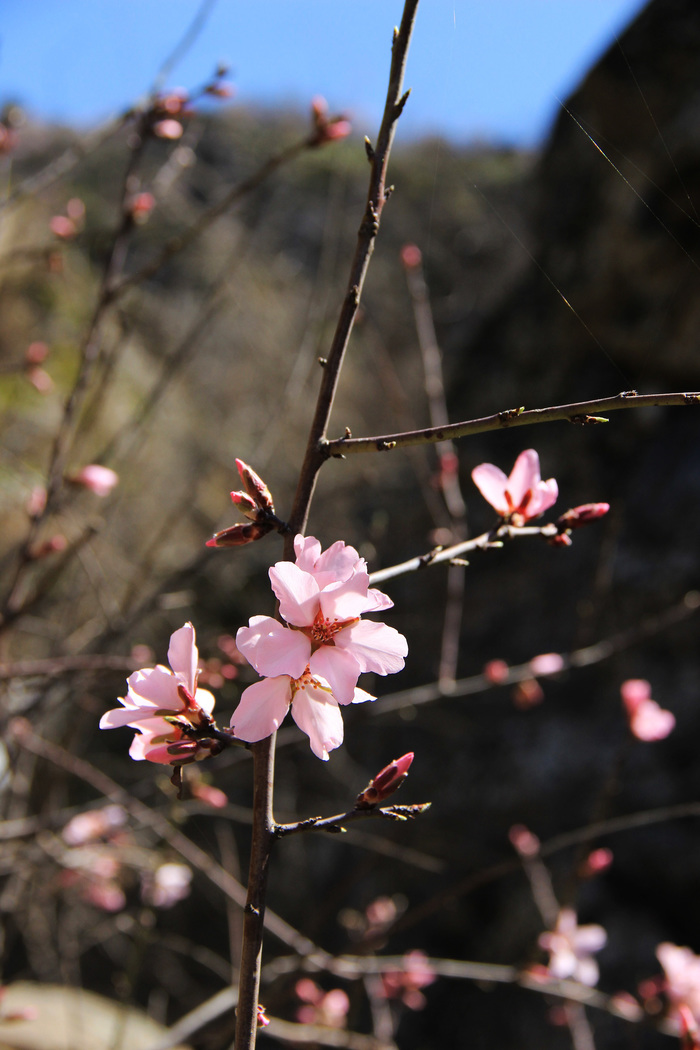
580 413
369 227
336 824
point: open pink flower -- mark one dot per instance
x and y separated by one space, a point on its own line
647 720
158 699
322 597
522 495
571 946
315 710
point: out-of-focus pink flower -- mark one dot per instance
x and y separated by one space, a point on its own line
527 694
37 501
168 129
140 207
40 379
387 781
53 545
522 495
406 984
63 227
496 672
571 947
546 663
380 914
327 128
164 704
682 972
597 861
411 256
222 89
169 884
208 794
524 841
647 720
93 825
173 102
690 1034
98 479
36 353
326 1008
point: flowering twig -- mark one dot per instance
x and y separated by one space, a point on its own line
580 413
263 752
336 824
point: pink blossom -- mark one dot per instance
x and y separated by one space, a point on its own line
647 720
100 480
315 710
169 884
406 984
682 972
523 495
547 663
570 948
163 704
326 1008
322 597
93 825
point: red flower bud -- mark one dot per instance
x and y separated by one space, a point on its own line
386 782
239 535
411 257
255 487
583 515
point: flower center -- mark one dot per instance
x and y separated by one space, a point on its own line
323 631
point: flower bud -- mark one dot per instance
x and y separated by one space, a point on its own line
386 782
411 257
98 479
255 487
496 672
583 515
523 841
239 535
246 505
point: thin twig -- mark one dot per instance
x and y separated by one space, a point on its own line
581 413
336 823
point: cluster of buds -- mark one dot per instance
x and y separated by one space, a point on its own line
386 782
326 129
576 518
161 117
257 505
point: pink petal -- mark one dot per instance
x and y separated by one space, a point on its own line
590 939
262 708
546 493
380 601
492 484
362 696
524 475
650 722
375 646
272 648
339 561
634 691
154 687
121 716
308 551
340 669
297 592
316 713
205 700
346 599
183 657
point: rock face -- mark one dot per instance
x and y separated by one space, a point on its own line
609 301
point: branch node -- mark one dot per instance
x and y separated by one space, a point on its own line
388 192
369 150
629 393
505 417
398 108
587 421
385 446
691 399
323 361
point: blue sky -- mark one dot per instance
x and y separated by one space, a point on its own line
487 69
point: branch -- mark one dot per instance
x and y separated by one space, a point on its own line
336 824
580 413
369 227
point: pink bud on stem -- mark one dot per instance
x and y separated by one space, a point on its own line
385 783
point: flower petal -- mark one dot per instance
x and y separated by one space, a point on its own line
308 551
272 648
376 646
183 657
542 498
262 708
362 696
346 599
492 484
316 713
524 476
340 669
154 687
297 592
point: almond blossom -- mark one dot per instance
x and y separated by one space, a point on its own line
647 721
313 661
571 947
522 495
163 704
